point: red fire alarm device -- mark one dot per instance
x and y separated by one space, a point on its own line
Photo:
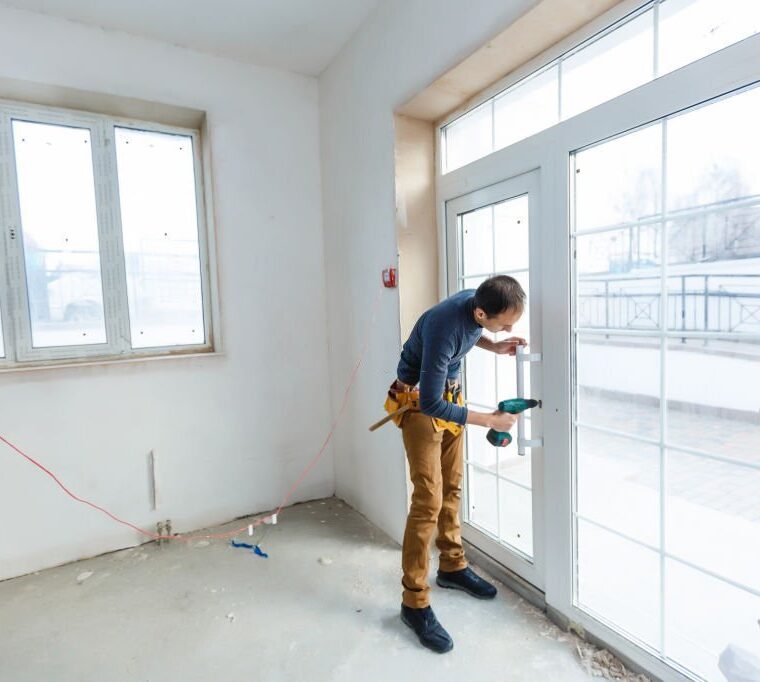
389 278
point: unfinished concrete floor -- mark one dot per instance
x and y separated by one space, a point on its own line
323 606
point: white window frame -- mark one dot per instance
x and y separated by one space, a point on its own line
549 151
557 55
17 331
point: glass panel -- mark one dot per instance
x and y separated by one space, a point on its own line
514 467
480 378
516 517
60 234
2 345
618 382
730 236
722 167
477 242
474 282
619 181
707 620
691 29
615 476
713 401
713 516
714 279
482 499
160 228
632 251
479 450
620 61
526 109
619 580
505 364
511 230
619 281
469 137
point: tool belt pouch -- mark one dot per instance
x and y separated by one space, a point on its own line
401 394
457 398
398 397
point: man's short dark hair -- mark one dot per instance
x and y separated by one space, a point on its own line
499 294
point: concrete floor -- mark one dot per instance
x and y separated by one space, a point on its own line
211 612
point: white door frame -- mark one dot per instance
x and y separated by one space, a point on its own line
729 69
531 570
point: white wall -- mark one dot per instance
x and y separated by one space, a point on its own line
402 48
231 433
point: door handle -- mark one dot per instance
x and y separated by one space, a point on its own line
521 358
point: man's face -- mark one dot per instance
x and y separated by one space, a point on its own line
503 322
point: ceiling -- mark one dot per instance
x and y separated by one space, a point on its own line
296 35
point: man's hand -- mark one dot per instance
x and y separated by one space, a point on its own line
509 346
503 421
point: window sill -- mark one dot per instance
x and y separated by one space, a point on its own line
93 362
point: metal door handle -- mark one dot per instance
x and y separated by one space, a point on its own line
522 357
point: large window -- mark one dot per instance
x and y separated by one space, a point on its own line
105 249
658 38
645 292
667 365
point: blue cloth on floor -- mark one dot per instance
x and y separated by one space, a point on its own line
254 548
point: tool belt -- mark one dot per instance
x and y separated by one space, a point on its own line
400 394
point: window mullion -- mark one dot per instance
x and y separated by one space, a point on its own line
204 241
9 232
19 323
656 39
111 247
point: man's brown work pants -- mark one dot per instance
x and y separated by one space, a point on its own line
435 467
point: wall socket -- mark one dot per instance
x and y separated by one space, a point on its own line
163 529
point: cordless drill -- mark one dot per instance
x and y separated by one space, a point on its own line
513 406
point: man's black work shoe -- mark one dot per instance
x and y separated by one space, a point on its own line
428 629
467 580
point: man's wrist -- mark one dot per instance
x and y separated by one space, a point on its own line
487 344
479 418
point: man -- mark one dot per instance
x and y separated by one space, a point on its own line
433 438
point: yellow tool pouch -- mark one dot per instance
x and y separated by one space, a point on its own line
398 398
440 425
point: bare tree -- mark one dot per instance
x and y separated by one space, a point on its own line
721 235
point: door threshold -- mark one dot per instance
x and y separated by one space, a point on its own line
514 582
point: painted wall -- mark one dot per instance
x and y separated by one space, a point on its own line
231 433
393 56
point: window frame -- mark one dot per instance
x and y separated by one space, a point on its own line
556 56
14 307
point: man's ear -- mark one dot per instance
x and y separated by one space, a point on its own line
480 315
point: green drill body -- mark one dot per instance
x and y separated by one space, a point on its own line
513 406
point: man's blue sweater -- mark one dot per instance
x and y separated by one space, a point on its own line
434 352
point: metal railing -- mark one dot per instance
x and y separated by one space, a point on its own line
704 302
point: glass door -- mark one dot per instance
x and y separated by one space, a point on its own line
495 231
666 228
